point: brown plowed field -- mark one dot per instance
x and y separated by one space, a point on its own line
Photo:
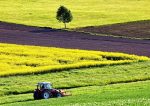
20 34
137 29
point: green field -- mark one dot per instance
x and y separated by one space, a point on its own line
133 94
89 85
104 86
78 78
85 13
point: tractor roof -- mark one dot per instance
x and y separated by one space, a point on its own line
44 83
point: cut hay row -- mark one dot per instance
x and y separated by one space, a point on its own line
18 59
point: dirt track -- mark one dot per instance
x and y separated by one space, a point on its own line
19 34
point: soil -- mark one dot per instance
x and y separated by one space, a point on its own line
43 36
136 29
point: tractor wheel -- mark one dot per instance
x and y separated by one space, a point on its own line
36 96
46 95
59 95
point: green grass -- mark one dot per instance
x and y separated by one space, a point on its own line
132 94
78 78
86 13
18 59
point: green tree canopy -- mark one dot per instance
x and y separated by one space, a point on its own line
64 15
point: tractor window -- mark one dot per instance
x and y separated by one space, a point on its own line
45 86
48 86
42 86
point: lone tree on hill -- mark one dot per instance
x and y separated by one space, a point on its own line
64 15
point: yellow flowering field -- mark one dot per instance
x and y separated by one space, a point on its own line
22 59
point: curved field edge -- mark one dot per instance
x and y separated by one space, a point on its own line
85 13
20 60
128 94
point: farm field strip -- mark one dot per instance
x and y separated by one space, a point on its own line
133 30
17 59
85 13
102 95
74 78
27 35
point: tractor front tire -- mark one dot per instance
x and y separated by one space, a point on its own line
46 95
59 95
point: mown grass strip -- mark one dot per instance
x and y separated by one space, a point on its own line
117 94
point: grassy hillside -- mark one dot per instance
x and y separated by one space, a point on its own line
17 59
86 13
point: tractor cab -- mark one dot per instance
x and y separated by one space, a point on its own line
44 85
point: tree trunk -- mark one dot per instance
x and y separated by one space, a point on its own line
65 25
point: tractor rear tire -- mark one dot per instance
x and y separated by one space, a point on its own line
46 94
35 95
